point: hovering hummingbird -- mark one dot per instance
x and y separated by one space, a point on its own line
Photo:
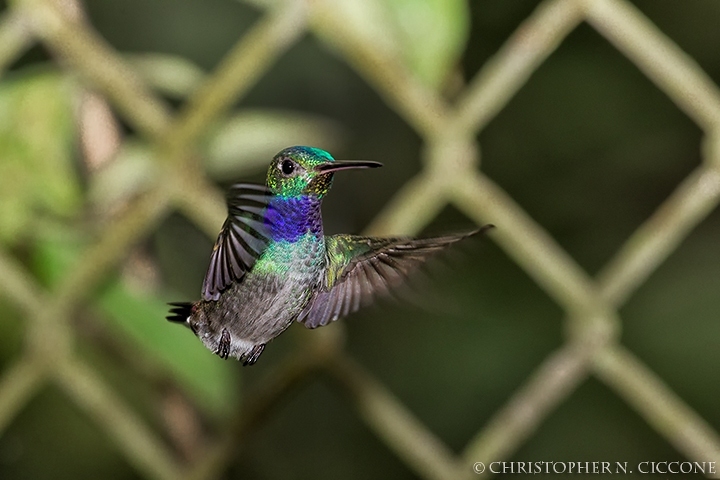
272 263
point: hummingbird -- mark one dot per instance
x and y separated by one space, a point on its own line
273 265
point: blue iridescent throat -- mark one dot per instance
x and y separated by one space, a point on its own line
289 218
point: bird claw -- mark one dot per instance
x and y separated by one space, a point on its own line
254 354
223 349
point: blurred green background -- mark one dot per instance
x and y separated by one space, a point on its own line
589 148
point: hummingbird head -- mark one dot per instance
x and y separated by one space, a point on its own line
297 171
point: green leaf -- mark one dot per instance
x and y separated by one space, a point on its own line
428 36
368 22
138 318
433 34
37 132
170 74
248 140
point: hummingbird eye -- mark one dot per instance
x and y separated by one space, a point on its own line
287 167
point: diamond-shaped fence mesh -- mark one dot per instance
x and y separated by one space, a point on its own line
449 131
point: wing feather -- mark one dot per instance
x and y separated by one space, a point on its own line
363 268
243 238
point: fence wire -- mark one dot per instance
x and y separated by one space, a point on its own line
449 131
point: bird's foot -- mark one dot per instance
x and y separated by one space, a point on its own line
223 349
253 355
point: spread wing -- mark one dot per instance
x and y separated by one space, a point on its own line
243 238
361 268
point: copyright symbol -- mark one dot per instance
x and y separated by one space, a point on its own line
478 467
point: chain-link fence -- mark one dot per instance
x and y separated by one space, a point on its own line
449 131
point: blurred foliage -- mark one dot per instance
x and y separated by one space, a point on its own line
132 314
427 35
589 147
37 136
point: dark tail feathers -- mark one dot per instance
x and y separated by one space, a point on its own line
180 311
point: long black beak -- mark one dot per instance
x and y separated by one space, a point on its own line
346 165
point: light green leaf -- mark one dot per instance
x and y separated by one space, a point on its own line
367 22
170 74
428 36
247 141
433 34
37 133
138 318
370 21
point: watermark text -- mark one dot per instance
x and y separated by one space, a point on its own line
612 468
